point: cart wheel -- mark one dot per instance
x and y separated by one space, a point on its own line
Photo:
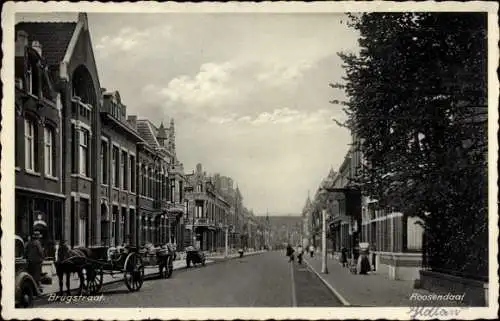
133 272
169 267
94 280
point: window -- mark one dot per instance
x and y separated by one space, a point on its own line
123 170
104 162
165 189
172 190
29 80
143 180
198 188
115 170
146 181
151 178
49 151
199 209
30 145
74 149
84 152
132 174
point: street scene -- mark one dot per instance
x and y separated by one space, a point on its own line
170 160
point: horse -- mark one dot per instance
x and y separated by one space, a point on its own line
70 261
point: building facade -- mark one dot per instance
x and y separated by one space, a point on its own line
118 171
395 239
38 158
208 213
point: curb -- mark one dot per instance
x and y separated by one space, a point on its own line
328 285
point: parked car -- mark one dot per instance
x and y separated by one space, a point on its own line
26 288
194 256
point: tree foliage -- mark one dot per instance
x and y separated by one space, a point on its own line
417 97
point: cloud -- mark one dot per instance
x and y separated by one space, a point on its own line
280 75
129 39
288 119
249 93
206 89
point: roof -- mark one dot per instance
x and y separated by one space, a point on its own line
54 38
147 132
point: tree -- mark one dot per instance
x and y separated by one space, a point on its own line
416 102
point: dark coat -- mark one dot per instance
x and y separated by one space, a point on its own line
34 252
343 256
289 251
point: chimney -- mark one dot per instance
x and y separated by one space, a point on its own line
37 47
21 43
132 120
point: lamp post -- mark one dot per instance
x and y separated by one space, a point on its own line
226 242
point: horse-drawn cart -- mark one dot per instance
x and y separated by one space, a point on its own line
92 264
162 256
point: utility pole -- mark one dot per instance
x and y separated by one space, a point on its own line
226 242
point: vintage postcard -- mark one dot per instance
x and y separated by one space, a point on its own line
272 160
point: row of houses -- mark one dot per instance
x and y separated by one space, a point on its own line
89 173
395 239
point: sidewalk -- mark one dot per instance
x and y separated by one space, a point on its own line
370 290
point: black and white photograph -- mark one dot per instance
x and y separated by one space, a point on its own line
249 160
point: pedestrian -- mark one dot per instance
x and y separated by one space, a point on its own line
34 257
343 256
289 253
311 250
300 252
373 257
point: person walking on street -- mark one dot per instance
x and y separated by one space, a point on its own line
311 250
300 252
289 253
343 257
34 257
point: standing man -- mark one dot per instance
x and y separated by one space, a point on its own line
311 250
289 252
34 256
300 252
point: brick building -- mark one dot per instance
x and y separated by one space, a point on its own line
69 64
118 162
208 213
38 180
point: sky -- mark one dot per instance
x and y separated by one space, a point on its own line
249 92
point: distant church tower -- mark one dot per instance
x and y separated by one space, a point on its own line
162 135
